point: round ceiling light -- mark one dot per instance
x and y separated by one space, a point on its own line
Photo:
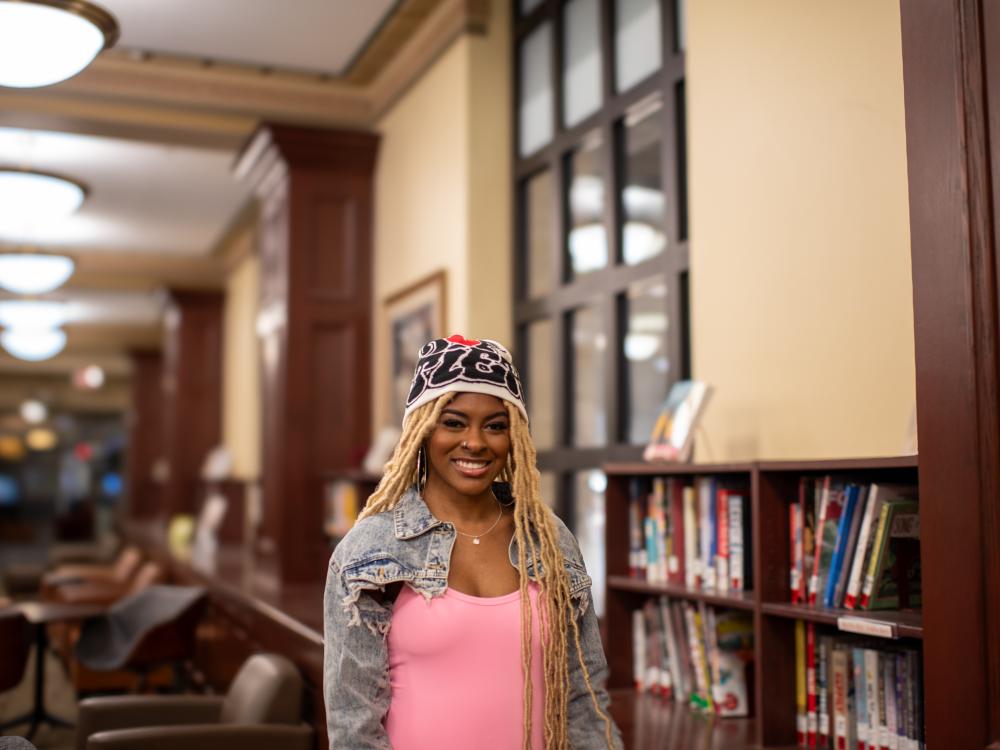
30 197
29 314
34 273
33 345
46 41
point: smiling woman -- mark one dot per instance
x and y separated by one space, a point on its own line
458 611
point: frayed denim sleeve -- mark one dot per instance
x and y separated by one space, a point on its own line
355 666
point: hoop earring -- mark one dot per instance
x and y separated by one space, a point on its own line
421 469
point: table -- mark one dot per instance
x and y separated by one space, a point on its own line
40 615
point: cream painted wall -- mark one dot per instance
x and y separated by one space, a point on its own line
801 292
442 192
241 395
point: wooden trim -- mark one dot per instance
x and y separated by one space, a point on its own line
952 230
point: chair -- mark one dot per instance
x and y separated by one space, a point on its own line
263 709
106 591
146 630
22 579
119 575
16 640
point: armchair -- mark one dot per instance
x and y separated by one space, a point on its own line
261 710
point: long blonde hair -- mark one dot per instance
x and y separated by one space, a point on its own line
540 548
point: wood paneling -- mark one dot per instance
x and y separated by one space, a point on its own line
315 193
145 432
192 393
951 94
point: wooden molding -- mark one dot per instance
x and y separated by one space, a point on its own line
191 102
450 20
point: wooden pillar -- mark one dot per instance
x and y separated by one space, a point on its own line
192 392
315 193
951 72
145 432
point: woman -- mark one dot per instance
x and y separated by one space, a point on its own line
427 638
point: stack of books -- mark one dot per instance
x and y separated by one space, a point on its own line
851 693
854 545
694 534
695 654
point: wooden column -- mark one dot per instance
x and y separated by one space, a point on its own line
145 432
315 193
192 392
951 72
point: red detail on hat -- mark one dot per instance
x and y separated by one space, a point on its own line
460 339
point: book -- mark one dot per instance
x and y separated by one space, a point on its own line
706 531
841 546
740 578
831 505
843 725
894 568
873 696
639 650
812 716
692 570
636 546
877 495
860 697
673 433
795 552
823 694
801 700
850 550
722 579
733 633
675 500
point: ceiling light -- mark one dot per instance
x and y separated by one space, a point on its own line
30 197
34 411
32 314
89 378
41 439
34 273
33 345
46 41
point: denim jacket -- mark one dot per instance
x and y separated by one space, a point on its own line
409 545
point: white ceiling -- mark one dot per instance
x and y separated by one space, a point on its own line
320 36
142 196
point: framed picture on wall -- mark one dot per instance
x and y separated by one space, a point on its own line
414 316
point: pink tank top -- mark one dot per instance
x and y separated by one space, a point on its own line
455 673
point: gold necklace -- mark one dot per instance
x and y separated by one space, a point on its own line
476 537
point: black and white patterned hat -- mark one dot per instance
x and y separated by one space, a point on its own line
465 365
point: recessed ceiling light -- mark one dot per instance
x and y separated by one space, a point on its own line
34 273
46 41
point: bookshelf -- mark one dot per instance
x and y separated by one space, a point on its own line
773 485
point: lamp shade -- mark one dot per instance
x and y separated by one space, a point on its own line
33 345
30 197
46 41
31 273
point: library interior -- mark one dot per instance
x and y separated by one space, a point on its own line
308 307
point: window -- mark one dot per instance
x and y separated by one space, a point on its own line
602 261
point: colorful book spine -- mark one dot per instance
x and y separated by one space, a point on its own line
840 677
861 698
878 545
675 566
639 650
801 690
637 547
876 497
812 703
692 568
737 549
826 537
722 544
823 691
795 552
840 545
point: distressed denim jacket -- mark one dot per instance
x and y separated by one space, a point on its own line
409 545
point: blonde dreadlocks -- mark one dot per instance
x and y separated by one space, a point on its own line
537 547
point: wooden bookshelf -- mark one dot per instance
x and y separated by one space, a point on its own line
773 485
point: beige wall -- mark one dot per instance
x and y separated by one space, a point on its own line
442 190
801 298
241 395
